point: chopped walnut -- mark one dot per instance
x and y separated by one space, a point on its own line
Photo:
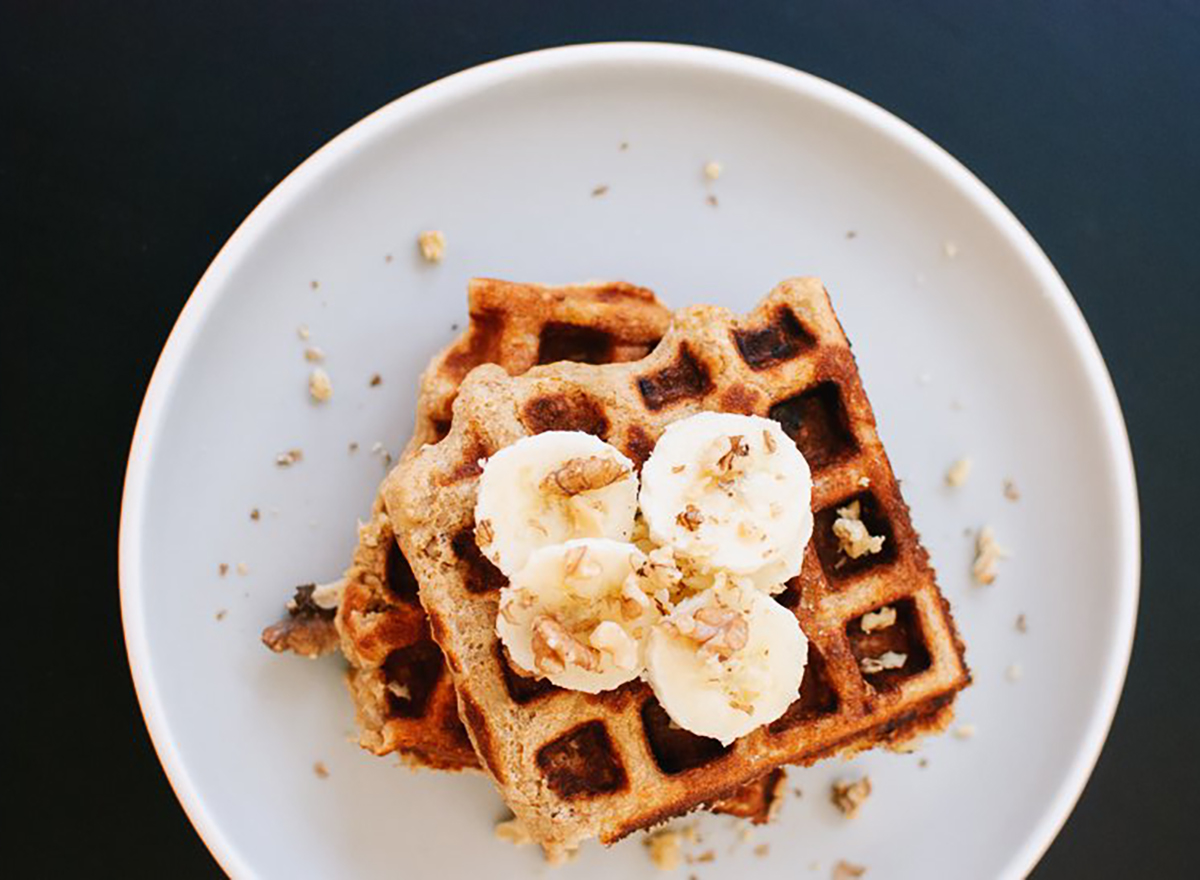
722 631
886 660
314 355
320 386
769 442
987 556
850 796
599 190
712 170
853 537
321 770
611 638
690 518
666 849
513 831
1010 491
959 472
484 532
1022 624
223 569
289 458
242 568
881 619
844 870
579 475
433 245
554 648
738 448
376 380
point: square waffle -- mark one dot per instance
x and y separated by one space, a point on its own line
404 702
573 765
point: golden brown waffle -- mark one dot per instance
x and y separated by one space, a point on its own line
573 765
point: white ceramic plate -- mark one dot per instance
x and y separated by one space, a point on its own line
968 342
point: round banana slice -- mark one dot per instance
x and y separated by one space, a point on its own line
730 493
726 662
577 615
550 488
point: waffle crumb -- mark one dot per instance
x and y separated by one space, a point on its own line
1022 624
665 848
1014 672
513 831
320 386
321 770
965 731
950 249
303 332
223 569
850 796
599 190
289 458
433 245
1010 491
959 472
844 870
712 169
853 537
881 619
988 554
376 380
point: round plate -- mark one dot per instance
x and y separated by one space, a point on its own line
968 342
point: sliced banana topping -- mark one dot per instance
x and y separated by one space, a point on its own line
577 614
730 493
550 488
726 661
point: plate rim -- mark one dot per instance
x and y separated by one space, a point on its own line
398 112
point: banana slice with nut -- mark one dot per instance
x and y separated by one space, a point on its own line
577 614
551 488
726 661
730 493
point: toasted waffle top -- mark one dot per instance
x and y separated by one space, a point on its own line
573 765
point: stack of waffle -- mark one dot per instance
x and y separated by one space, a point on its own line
440 690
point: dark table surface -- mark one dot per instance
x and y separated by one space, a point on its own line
136 136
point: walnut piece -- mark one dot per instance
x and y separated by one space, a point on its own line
850 796
844 870
433 245
881 619
959 471
886 660
722 631
579 475
554 648
484 532
320 386
690 518
853 537
987 556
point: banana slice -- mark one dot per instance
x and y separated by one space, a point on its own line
549 488
726 662
577 615
730 493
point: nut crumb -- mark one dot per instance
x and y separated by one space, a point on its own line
578 475
242 568
707 856
987 556
624 146
599 190
853 537
376 380
321 770
221 614
1022 624
711 200
844 870
314 355
923 763
289 458
314 284
513 831
387 258
1010 491
433 245
303 332
959 472
1014 672
965 731
320 386
851 234
886 660
353 447
223 569
850 796
690 518
712 170
666 849
255 514
881 619
762 850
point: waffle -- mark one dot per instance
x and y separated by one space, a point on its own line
574 765
403 702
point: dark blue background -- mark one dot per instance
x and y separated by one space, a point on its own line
135 136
